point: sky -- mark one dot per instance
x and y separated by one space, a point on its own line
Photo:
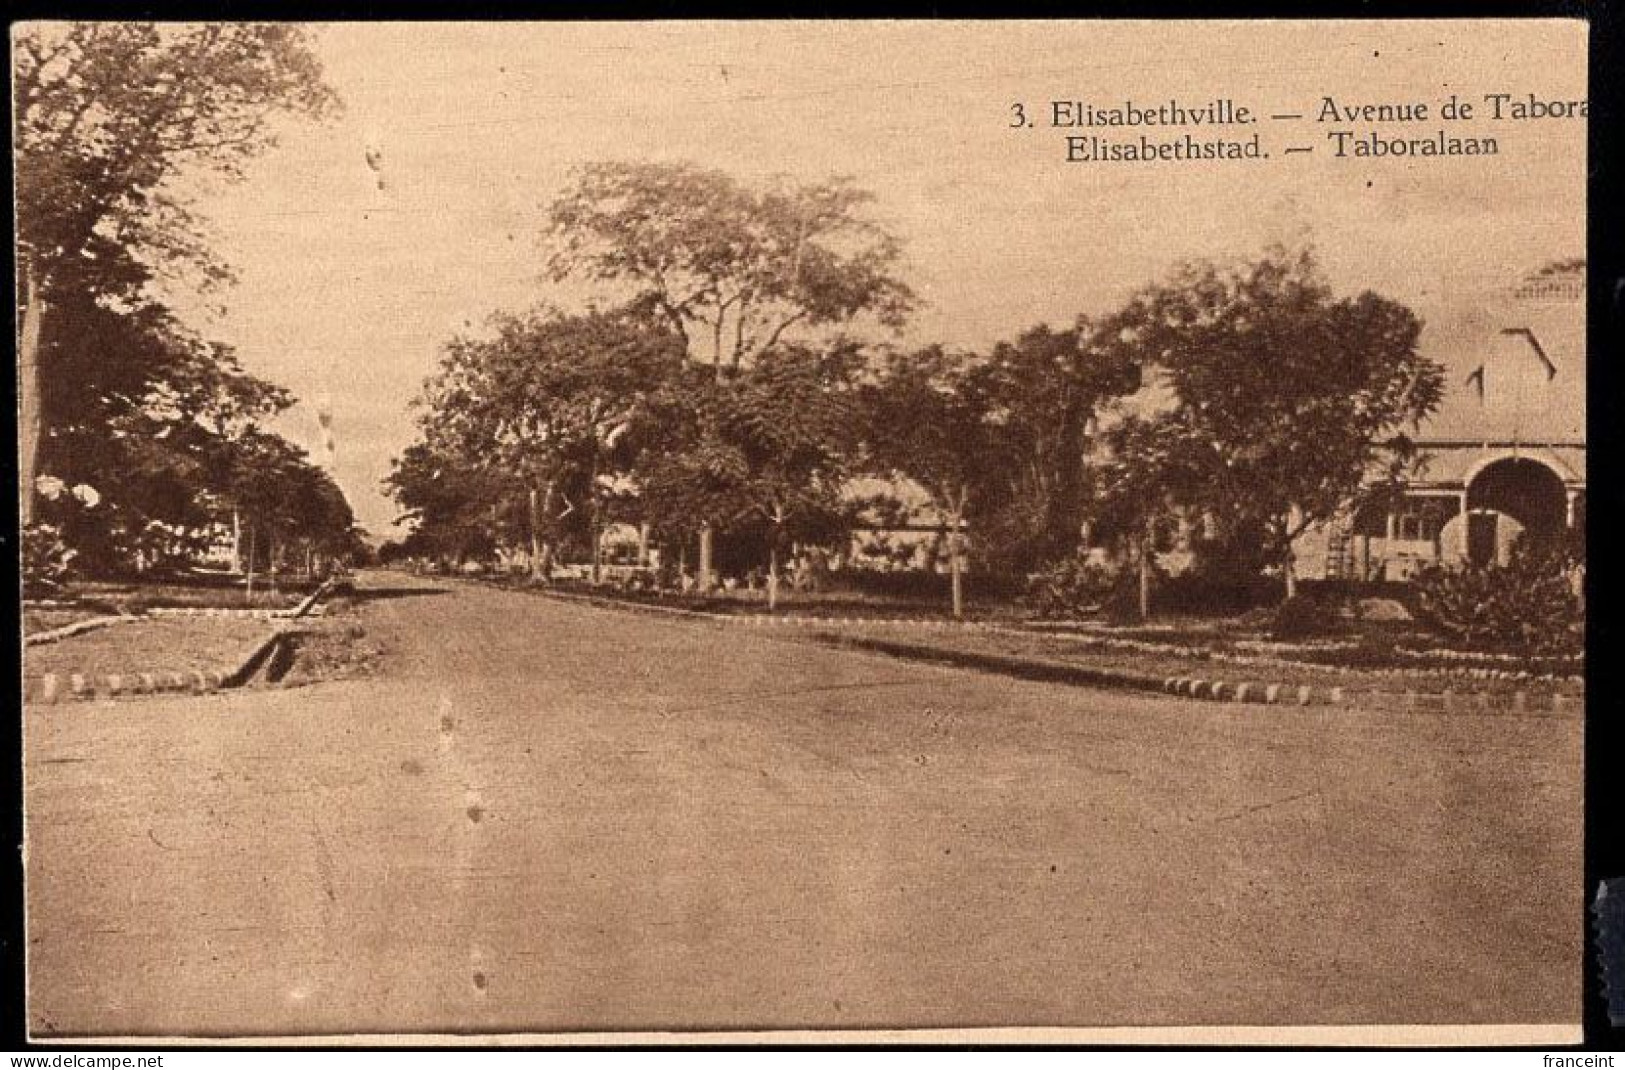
349 286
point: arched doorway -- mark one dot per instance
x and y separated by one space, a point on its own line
1509 499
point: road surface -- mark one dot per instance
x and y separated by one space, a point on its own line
543 816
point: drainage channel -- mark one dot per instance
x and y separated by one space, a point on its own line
276 656
270 662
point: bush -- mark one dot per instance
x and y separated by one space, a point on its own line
1077 586
1531 605
46 559
1303 616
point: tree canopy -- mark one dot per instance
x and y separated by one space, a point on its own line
1238 403
539 403
931 416
1286 399
732 268
110 121
108 114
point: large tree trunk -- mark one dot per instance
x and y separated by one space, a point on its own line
541 553
956 555
31 413
773 577
596 520
1289 572
248 590
1145 576
236 540
704 579
533 519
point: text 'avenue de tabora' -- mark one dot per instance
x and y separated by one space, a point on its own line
1216 129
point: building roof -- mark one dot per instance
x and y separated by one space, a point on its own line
1456 465
1515 364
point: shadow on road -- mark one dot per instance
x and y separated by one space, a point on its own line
378 594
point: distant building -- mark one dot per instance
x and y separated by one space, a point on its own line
1502 458
899 529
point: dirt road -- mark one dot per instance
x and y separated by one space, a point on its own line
545 816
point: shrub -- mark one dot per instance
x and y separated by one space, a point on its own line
1303 616
1075 586
1530 605
46 559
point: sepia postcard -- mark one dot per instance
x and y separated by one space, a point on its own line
668 532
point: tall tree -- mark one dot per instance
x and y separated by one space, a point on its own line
544 399
107 117
769 451
1287 398
1044 392
735 270
793 423
931 417
458 509
1144 479
287 504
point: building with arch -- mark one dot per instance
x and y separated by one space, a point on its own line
1503 458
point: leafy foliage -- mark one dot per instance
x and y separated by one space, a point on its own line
731 268
1072 587
112 121
459 510
47 560
929 415
1302 616
1000 441
286 502
770 446
541 408
107 113
1283 398
1048 386
1529 605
